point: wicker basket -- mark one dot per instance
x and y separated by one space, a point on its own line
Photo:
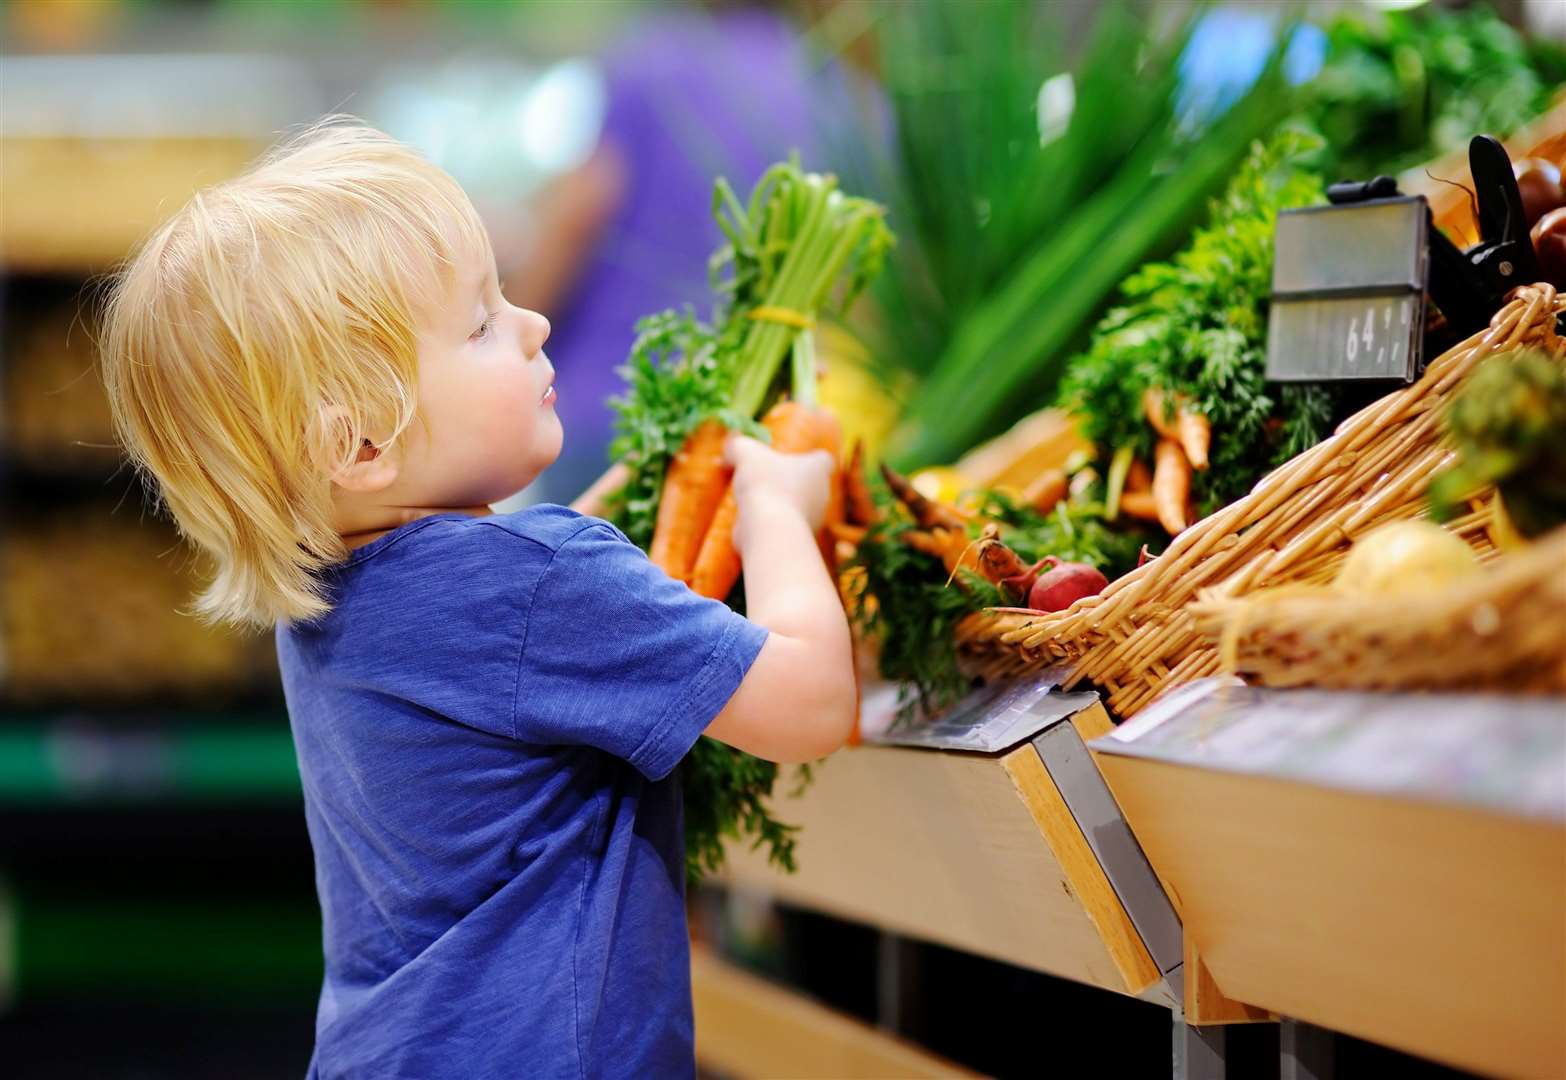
1139 635
1504 629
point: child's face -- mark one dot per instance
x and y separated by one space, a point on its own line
486 396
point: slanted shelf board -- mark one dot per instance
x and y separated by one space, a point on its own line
748 1026
1391 866
974 851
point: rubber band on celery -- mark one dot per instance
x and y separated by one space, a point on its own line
782 315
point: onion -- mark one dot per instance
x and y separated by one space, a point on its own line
1406 557
1539 184
1549 244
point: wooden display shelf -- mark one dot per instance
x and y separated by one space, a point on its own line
748 1026
979 852
1398 873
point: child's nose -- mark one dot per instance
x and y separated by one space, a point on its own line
535 331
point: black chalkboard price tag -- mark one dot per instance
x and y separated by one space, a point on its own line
1348 292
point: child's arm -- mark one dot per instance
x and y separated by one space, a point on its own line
797 701
594 502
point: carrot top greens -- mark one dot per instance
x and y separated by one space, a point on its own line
1196 327
916 608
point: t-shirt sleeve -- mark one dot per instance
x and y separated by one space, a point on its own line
619 656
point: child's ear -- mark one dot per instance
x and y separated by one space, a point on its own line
372 468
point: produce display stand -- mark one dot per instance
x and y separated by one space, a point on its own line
1017 855
1389 866
1392 866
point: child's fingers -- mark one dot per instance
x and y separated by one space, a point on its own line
738 448
821 461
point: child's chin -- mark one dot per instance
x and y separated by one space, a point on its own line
553 439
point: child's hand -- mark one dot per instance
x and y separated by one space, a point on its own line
797 701
766 481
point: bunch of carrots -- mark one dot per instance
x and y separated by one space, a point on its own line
694 537
796 247
945 532
1164 494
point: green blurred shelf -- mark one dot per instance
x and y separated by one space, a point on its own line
204 759
165 950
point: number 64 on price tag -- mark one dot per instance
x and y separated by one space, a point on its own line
1348 292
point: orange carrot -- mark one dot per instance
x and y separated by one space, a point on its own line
1139 504
692 491
829 437
845 533
1001 565
951 546
1139 478
928 513
796 429
860 508
1155 409
1188 427
717 565
1171 485
1195 436
1047 489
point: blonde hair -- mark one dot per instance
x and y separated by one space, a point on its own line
263 333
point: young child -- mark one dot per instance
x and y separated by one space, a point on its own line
316 365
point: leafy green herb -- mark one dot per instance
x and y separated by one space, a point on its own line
676 377
1402 87
1196 327
725 792
1509 424
915 608
1074 531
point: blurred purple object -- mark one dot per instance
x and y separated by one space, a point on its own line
690 98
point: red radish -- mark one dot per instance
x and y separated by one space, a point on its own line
1022 584
1064 585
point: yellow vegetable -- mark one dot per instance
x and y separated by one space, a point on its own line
939 483
1406 557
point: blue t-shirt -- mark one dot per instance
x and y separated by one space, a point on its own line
486 724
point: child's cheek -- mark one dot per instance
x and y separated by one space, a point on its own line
514 415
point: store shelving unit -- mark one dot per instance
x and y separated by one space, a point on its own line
1391 866
742 1019
1413 898
143 759
1005 855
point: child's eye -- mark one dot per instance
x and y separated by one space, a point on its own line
484 329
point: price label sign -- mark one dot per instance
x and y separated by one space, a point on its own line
1348 292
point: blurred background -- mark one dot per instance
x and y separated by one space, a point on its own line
157 907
